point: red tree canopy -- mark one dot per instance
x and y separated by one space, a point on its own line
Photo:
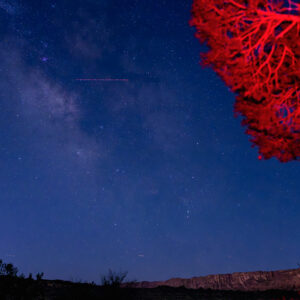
254 46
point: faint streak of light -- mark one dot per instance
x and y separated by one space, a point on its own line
141 255
103 79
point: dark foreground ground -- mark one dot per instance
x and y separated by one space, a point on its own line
20 288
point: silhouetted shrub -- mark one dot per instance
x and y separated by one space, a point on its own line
39 276
7 269
113 279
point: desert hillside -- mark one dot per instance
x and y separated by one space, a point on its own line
247 281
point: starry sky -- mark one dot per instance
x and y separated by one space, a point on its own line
152 175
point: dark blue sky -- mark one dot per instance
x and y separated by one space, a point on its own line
154 175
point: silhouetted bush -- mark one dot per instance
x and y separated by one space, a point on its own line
39 276
111 285
113 279
8 269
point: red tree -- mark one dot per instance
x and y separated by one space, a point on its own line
254 46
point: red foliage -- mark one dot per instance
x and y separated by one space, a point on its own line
254 46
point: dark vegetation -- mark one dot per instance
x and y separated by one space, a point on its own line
19 287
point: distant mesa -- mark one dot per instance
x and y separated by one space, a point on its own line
247 281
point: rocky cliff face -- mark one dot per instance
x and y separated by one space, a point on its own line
249 281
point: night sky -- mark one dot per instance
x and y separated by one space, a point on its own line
153 175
